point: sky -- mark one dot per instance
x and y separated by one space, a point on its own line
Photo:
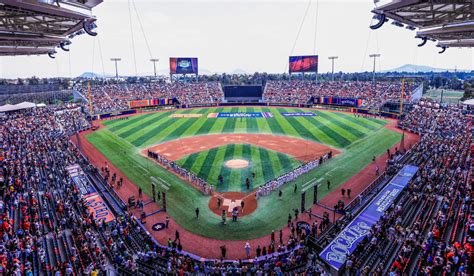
228 35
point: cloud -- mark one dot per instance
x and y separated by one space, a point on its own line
229 34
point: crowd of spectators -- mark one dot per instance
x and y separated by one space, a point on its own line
298 91
430 230
34 92
114 97
444 155
37 97
46 227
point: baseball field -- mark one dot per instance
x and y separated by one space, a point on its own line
260 144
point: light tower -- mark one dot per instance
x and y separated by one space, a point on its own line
154 60
332 61
115 60
374 56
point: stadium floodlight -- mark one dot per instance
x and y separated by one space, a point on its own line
115 60
374 56
154 60
332 60
424 39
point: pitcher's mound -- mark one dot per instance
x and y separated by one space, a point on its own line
237 164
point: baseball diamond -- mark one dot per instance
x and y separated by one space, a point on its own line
352 155
350 139
265 164
232 157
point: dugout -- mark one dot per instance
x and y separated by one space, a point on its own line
243 93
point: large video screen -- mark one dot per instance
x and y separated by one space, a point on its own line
303 64
183 65
243 91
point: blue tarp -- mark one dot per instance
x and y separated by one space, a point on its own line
346 242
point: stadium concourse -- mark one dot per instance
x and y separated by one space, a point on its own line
49 191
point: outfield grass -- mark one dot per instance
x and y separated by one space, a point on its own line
266 164
336 129
359 139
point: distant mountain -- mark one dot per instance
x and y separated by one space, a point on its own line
166 72
161 72
411 68
205 72
92 75
239 72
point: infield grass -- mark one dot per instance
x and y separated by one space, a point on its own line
266 164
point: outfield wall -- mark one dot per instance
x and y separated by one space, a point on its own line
323 106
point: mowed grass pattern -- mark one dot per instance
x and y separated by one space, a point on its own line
266 164
335 129
358 138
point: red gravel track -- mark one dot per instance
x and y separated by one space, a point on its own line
210 248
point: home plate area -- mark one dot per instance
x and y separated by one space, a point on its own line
231 200
231 204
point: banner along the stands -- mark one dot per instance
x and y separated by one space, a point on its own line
346 242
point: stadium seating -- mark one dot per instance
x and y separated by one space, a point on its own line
113 97
426 232
47 229
43 93
297 91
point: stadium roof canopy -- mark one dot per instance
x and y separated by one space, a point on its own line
34 27
469 102
14 107
450 22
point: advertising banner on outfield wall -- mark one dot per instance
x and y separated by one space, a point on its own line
240 115
150 103
346 242
352 102
298 114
